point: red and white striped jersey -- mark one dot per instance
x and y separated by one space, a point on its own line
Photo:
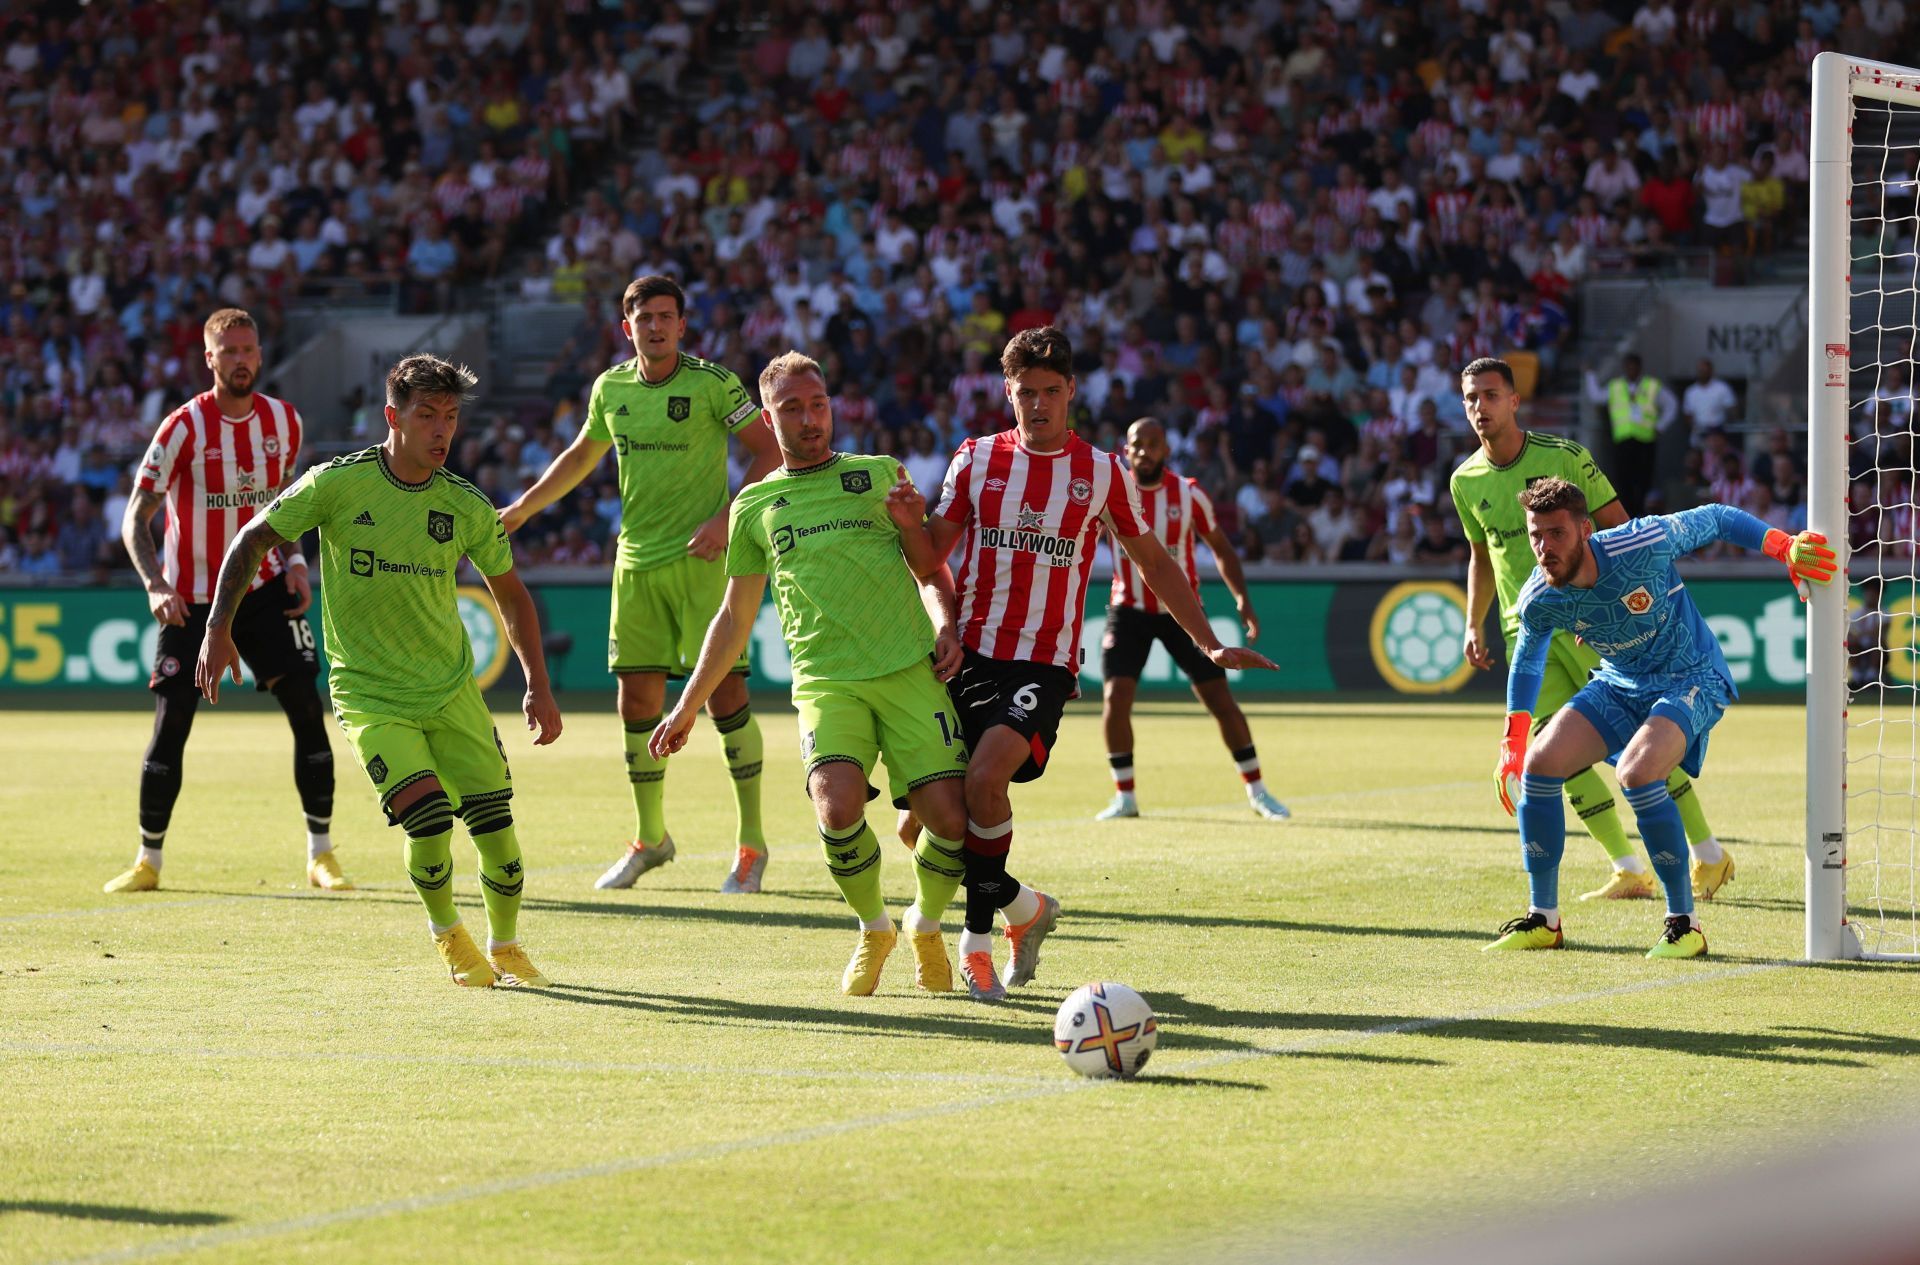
1030 520
217 472
1178 511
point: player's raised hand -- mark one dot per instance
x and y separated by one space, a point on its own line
948 655
1248 620
1478 653
218 655
300 587
671 734
1513 758
709 540
543 714
166 603
905 505
1242 657
1807 556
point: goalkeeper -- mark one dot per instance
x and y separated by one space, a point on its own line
844 539
1661 687
1485 490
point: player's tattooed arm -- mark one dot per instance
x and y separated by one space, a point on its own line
218 655
136 533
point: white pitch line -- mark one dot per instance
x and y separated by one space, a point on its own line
814 1133
39 1049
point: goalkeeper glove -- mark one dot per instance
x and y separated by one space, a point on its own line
1806 555
1513 754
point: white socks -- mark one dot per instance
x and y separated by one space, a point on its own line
317 844
150 856
916 923
882 923
975 942
1707 851
494 946
1630 864
1552 915
1021 908
439 930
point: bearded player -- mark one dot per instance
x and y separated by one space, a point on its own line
1178 511
214 463
1028 502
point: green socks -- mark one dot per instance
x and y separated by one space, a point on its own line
1591 798
501 875
853 859
649 778
937 870
1692 816
740 742
429 827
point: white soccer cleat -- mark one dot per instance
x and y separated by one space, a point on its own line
1123 805
1265 805
637 860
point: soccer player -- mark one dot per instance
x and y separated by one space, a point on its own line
1176 509
845 541
667 415
214 462
1029 501
1486 490
393 527
1661 687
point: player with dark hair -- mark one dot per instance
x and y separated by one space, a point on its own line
394 526
1028 502
214 463
1661 686
667 415
1486 490
1178 511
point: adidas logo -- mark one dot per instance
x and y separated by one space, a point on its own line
779 503
621 411
1581 625
365 519
1485 504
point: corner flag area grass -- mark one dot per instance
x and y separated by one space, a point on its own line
238 1069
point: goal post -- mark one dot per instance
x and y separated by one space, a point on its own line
1863 726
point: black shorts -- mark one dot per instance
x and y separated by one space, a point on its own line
271 644
1026 697
1131 633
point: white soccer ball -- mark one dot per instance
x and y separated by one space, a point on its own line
1105 1030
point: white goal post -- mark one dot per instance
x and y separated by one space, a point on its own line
1863 725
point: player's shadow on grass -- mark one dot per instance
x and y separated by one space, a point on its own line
110 1212
1793 1044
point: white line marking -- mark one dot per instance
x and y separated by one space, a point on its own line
814 1133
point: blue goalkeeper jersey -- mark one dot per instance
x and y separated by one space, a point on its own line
1637 616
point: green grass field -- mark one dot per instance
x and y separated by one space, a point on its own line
235 1069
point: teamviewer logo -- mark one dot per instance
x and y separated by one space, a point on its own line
361 562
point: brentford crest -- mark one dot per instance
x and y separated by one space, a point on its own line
1081 491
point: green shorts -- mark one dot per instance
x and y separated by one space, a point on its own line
458 745
660 616
904 718
1569 664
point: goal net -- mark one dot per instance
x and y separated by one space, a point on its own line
1863 639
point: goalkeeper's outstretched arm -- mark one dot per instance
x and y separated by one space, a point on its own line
1806 554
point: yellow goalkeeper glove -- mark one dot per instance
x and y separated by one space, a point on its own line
1806 555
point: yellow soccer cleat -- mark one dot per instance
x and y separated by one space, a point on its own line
1681 939
324 873
141 878
462 957
862 975
1708 879
515 969
1624 885
1531 932
932 970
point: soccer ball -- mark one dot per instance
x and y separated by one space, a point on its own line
1105 1030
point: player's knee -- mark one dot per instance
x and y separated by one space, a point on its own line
425 815
485 818
729 697
943 811
838 790
172 722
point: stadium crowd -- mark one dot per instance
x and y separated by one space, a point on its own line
1279 227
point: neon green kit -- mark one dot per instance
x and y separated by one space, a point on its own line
852 618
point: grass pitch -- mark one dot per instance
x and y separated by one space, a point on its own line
236 1069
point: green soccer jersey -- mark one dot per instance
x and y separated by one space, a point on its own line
1488 500
849 607
670 439
388 549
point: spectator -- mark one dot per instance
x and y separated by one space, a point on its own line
1708 402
